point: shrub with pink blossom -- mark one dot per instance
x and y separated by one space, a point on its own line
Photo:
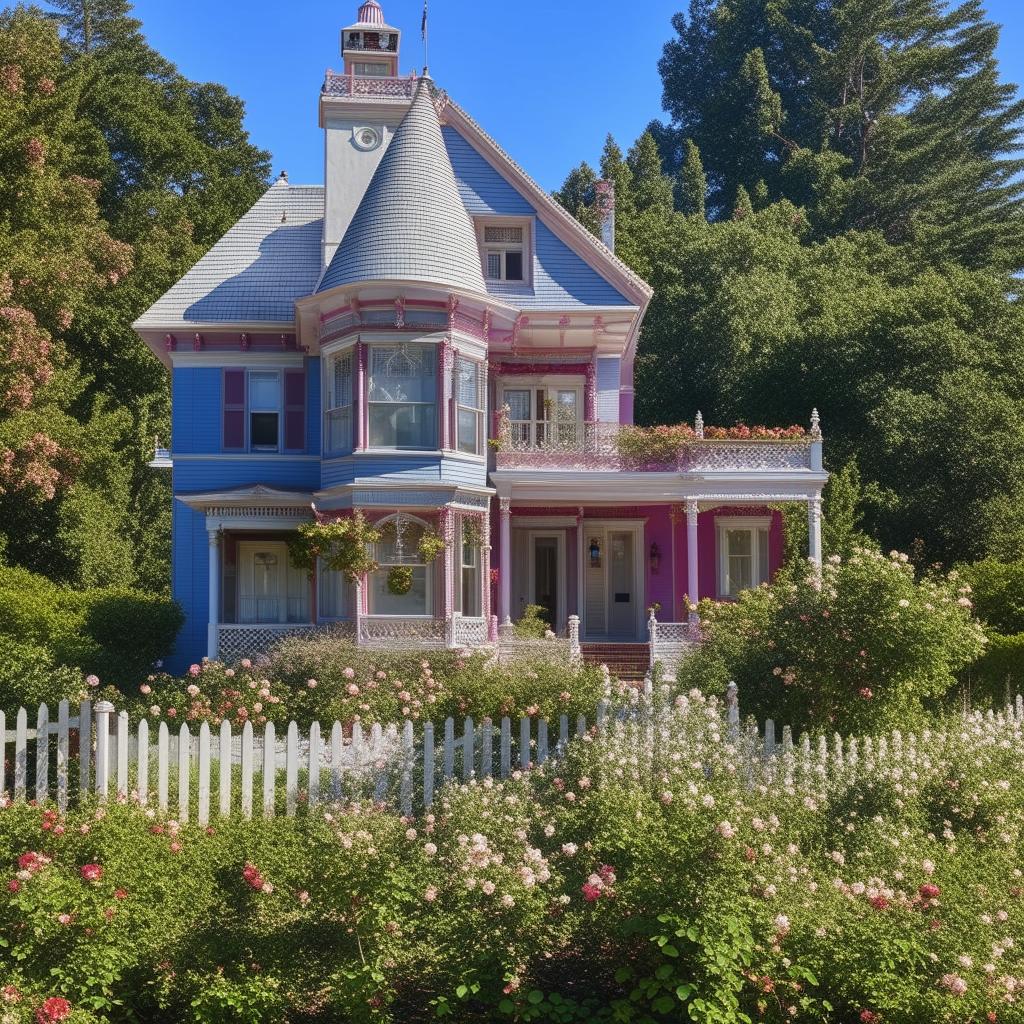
760 891
867 644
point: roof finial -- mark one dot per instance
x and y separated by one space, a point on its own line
283 176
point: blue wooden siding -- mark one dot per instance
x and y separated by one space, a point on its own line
196 410
287 473
561 279
608 370
190 584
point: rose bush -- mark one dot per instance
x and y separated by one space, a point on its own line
653 874
324 678
864 646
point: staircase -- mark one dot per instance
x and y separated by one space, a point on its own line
629 662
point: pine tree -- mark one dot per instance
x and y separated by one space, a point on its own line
873 114
87 24
652 189
691 183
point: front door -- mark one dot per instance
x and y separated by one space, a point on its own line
269 589
622 597
545 578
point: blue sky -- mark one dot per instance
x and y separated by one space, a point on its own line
547 79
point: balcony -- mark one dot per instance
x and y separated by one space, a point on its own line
377 89
611 447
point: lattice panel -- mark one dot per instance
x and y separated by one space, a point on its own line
236 642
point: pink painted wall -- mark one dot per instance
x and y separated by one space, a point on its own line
625 406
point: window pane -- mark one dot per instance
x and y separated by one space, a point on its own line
518 403
383 602
467 383
339 429
513 266
264 391
403 373
331 597
342 391
740 542
470 591
468 431
739 561
403 426
263 430
494 266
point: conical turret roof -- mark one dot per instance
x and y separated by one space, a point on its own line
411 224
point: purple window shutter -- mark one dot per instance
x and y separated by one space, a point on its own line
234 410
295 410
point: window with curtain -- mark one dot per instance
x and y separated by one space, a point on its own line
402 394
399 545
332 593
743 555
339 403
469 401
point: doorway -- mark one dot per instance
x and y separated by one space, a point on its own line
547 576
611 580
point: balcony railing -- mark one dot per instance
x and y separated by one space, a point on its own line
356 87
596 446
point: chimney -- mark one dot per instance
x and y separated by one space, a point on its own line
606 212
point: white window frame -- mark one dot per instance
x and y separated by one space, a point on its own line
251 410
428 568
477 410
501 248
431 349
329 399
755 525
536 428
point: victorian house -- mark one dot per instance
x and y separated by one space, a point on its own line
429 338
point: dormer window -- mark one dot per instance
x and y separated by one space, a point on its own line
505 249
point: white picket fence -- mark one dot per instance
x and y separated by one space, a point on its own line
226 772
226 767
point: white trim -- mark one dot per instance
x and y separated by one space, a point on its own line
752 525
528 246
531 572
543 522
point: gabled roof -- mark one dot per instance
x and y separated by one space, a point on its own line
411 224
254 274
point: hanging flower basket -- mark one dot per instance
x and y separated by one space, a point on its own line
400 580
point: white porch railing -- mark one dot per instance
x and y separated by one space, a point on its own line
244 641
410 633
353 86
468 631
670 642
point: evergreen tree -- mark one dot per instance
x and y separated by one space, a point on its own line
691 183
87 24
872 114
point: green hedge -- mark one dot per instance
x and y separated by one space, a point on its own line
999 672
117 634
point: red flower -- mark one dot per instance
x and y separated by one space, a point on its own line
879 903
591 892
13 885
252 875
929 891
30 862
54 1009
120 894
868 1017
91 872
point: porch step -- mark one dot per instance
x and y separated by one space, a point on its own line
627 661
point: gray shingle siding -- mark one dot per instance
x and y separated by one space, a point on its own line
411 224
270 258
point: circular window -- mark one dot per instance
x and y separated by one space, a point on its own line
366 138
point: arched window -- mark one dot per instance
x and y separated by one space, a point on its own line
399 546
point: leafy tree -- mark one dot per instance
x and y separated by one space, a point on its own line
691 182
871 114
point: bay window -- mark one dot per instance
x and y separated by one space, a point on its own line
339 403
743 553
469 399
402 393
469 578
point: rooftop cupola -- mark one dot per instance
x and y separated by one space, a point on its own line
370 46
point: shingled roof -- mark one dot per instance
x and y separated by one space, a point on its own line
411 224
270 258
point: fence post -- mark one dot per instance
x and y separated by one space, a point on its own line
142 761
3 753
103 710
122 755
43 754
732 703
652 635
575 652
405 786
428 764
84 746
63 744
204 774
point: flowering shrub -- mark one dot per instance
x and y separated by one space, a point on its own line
326 679
862 646
664 444
658 872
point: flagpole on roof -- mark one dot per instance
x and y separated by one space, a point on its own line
426 39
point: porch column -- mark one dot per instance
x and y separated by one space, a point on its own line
814 530
505 575
213 627
485 570
361 403
692 577
446 522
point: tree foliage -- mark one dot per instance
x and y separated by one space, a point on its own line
880 115
116 173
